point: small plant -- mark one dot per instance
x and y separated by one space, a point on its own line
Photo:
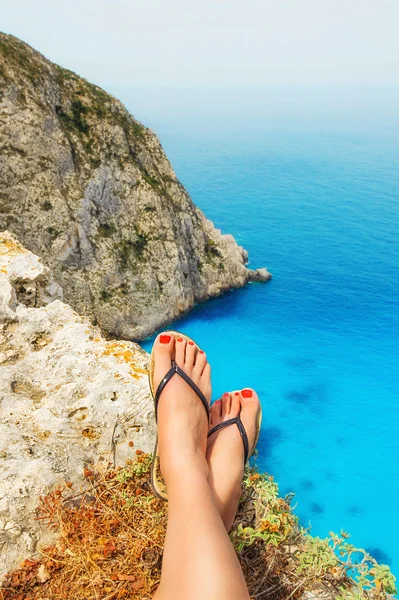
78 110
89 145
124 253
349 595
274 521
106 229
54 233
95 162
124 289
212 253
137 129
47 205
370 578
105 295
140 244
132 248
74 121
151 180
315 557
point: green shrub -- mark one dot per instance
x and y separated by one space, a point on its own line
333 562
53 232
105 295
151 180
74 120
134 248
106 229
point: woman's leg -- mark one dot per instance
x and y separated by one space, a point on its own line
225 450
199 561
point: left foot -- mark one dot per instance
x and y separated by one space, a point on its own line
225 450
182 419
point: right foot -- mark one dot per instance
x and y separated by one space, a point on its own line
225 450
182 420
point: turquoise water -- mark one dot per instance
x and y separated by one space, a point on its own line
314 197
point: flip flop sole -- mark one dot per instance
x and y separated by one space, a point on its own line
258 426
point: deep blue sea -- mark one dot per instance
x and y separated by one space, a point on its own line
308 183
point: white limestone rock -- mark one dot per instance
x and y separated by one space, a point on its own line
68 398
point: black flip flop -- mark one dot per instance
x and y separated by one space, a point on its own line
237 421
157 481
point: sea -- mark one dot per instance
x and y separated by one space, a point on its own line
307 180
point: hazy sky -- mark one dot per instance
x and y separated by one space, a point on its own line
214 42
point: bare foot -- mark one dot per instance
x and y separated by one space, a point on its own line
182 419
225 450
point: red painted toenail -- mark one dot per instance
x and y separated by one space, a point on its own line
191 343
236 393
179 339
165 339
201 352
225 395
217 402
246 393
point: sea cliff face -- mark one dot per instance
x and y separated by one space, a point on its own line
88 188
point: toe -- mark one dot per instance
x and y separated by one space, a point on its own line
249 398
163 351
226 405
206 373
204 382
200 361
190 356
235 405
180 346
216 413
249 409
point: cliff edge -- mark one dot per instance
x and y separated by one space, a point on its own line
88 188
68 398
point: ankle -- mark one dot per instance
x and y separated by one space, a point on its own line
188 465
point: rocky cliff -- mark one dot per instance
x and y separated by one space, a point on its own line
89 188
68 398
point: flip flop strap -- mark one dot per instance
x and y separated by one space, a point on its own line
175 369
236 421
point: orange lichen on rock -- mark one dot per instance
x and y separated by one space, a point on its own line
11 247
123 352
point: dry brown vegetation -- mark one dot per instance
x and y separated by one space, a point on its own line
110 540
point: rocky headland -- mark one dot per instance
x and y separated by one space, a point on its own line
90 190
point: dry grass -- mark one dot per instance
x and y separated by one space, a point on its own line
110 541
